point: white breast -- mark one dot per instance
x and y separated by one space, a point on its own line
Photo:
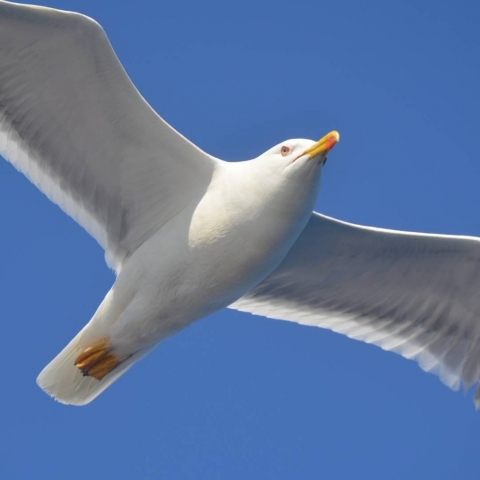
245 225
215 251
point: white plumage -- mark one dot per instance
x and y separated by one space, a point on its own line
189 234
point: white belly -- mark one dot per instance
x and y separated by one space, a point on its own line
201 261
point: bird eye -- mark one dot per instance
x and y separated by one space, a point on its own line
285 151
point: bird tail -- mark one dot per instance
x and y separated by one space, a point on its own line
62 380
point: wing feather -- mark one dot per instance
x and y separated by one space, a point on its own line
72 121
414 294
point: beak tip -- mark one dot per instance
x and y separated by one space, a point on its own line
324 145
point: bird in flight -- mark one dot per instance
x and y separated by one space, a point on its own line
188 234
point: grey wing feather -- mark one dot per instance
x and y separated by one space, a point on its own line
72 121
414 294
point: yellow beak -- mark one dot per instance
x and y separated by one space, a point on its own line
325 144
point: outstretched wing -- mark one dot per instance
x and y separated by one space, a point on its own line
72 121
415 294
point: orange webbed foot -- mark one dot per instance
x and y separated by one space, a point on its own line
96 360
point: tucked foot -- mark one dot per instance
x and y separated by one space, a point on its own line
96 360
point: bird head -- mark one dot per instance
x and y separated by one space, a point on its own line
300 155
301 151
290 172
298 159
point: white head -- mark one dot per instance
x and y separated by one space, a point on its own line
287 174
297 161
286 177
300 153
277 190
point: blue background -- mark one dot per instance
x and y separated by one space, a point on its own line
236 396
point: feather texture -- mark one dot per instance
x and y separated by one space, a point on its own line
74 124
414 294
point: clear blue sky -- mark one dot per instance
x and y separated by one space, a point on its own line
236 396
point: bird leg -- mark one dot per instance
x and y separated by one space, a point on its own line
96 361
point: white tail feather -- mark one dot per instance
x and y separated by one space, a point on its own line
64 382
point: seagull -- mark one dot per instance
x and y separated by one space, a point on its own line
188 234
